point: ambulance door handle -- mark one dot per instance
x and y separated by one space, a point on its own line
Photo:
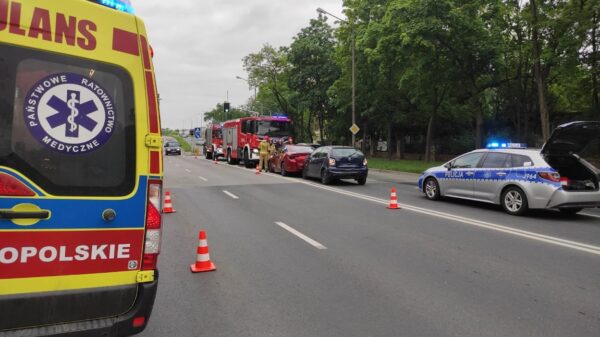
4 214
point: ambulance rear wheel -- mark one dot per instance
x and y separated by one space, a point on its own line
229 159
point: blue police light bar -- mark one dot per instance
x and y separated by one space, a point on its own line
280 116
120 5
497 145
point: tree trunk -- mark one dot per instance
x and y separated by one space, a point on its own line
321 126
389 141
539 74
309 126
401 146
479 125
363 144
429 139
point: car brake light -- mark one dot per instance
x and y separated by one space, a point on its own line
153 226
551 176
11 186
138 321
331 162
564 181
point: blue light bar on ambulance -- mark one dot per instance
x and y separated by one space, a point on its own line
497 145
120 5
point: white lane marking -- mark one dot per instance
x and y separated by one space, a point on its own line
469 221
592 215
310 241
202 178
188 171
231 194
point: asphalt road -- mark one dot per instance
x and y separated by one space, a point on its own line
447 268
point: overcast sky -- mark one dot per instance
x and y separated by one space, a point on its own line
199 46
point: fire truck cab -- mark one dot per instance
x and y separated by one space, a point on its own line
241 136
213 148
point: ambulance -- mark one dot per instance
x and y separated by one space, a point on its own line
80 169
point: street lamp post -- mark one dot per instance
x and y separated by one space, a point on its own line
322 11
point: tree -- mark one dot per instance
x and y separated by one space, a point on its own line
313 69
268 70
217 115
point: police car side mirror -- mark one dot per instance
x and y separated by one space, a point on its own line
448 166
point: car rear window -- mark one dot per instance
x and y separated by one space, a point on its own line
67 123
299 149
345 152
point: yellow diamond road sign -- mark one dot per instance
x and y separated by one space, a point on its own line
354 129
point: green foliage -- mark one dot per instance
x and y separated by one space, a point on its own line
444 75
313 71
217 115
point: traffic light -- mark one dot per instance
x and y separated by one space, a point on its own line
226 107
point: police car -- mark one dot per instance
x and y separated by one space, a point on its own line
518 178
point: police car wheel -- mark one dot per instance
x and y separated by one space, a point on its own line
514 201
432 189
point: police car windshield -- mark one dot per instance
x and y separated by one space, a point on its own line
274 128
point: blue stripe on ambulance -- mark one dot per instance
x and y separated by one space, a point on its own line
68 213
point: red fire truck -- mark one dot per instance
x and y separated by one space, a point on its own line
213 147
241 136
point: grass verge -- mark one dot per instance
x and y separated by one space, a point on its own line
413 166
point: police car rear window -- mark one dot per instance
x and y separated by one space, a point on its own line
67 123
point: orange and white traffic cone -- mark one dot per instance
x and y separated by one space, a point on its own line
257 169
203 262
168 208
393 200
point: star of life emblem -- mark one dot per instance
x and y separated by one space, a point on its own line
69 113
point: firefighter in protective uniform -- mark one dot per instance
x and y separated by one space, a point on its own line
264 149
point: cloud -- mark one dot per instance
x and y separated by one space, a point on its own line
199 46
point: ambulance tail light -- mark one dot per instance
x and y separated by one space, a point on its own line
12 187
551 176
153 226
